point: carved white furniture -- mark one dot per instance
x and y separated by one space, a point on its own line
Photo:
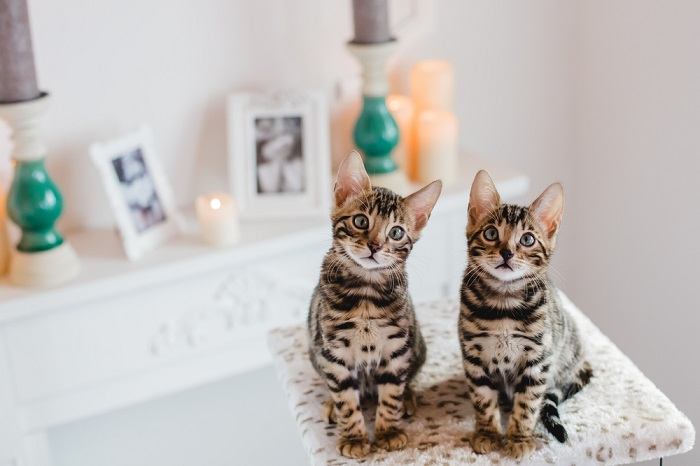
185 315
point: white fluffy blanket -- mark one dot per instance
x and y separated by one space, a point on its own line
619 418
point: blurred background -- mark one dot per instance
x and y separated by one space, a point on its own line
601 95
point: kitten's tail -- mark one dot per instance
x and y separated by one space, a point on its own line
550 416
550 410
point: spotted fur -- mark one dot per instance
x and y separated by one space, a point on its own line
364 338
521 350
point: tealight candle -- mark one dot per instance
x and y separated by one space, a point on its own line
218 219
401 108
436 136
432 85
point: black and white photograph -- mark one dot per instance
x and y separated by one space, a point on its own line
279 154
139 190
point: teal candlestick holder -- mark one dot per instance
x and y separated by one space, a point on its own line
34 204
376 133
42 257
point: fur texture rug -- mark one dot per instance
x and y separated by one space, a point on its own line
619 418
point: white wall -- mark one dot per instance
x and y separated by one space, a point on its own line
111 67
601 95
635 213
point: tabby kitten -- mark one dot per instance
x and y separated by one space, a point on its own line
364 338
521 350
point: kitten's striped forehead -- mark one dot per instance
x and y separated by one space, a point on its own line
511 214
385 203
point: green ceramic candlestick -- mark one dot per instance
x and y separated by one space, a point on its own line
376 133
34 203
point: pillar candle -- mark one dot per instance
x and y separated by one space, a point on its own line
401 108
17 74
371 21
218 219
436 135
432 85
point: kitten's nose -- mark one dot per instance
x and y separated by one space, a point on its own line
506 254
374 247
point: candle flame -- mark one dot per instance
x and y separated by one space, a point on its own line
215 203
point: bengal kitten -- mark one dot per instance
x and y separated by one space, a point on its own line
521 350
364 338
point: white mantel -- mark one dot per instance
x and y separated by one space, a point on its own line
184 316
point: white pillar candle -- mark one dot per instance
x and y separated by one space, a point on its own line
218 219
401 108
436 136
432 85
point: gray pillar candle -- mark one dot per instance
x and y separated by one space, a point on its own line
371 20
17 74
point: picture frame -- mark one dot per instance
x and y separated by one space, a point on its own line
279 153
138 191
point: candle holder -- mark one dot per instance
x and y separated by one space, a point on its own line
376 133
42 257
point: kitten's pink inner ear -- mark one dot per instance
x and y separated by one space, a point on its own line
352 179
549 208
422 202
483 197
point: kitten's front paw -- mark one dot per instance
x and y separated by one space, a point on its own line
354 447
519 447
484 441
392 439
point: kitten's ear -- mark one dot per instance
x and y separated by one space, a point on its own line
548 209
352 179
483 197
422 202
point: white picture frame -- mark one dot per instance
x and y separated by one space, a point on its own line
138 191
279 153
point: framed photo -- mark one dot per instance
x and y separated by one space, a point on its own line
138 191
279 156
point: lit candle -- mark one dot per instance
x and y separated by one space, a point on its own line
401 108
432 85
436 136
17 73
218 219
371 21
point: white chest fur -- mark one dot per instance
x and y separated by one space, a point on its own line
368 338
367 345
504 348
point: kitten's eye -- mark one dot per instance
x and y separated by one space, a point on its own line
528 239
396 233
491 234
360 221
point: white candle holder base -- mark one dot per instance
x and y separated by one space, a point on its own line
47 268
